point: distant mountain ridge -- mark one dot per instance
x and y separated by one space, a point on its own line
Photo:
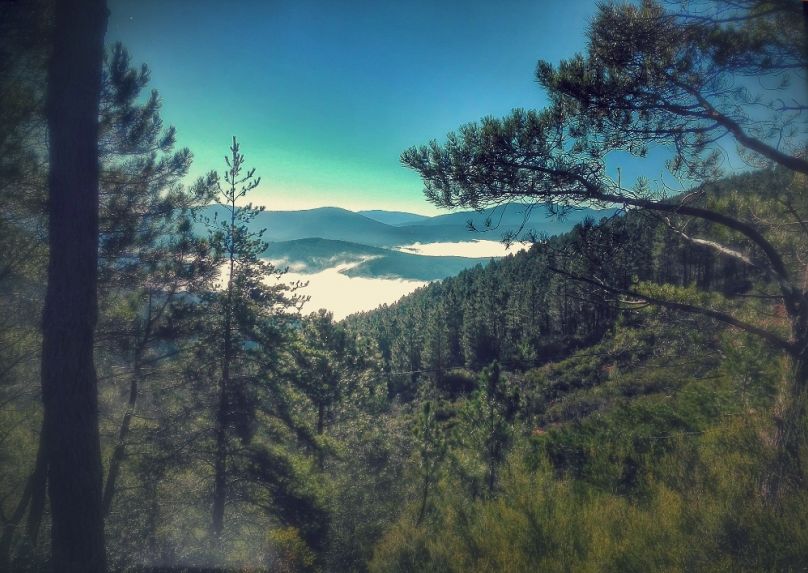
338 224
395 218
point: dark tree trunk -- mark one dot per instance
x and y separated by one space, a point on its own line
68 372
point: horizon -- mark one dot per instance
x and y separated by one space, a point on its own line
439 213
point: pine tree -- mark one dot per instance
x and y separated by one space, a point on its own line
151 263
250 316
435 355
431 449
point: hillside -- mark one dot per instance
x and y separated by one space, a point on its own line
517 311
555 416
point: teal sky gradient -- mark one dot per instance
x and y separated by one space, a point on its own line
325 95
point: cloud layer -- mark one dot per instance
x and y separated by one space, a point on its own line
344 295
473 249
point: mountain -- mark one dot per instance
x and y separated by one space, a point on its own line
496 221
314 255
338 224
325 223
395 218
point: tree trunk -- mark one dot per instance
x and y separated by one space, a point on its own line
220 467
320 418
68 372
424 499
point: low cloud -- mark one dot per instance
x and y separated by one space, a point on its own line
344 295
474 249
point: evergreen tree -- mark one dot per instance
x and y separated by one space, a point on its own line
330 366
250 320
151 263
430 451
435 356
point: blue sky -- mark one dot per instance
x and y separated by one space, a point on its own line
324 95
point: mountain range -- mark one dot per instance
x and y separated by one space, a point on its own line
366 242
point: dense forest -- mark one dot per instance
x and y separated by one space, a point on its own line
628 396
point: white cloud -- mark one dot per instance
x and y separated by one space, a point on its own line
344 295
475 249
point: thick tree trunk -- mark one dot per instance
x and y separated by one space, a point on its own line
68 371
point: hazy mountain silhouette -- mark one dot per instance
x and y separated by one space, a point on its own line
395 218
338 224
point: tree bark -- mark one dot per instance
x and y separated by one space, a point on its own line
220 466
320 418
69 384
424 499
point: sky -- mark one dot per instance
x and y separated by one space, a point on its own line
325 95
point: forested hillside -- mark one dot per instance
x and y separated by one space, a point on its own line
561 427
526 310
